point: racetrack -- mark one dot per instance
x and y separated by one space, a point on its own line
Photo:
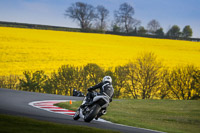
17 103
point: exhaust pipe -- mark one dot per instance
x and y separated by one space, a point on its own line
103 112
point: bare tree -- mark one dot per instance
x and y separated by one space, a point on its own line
124 16
102 14
147 74
182 82
164 91
131 87
81 12
153 26
121 75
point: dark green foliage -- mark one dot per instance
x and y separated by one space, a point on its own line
160 33
174 32
142 31
187 32
116 28
35 26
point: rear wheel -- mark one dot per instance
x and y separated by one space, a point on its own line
76 115
89 116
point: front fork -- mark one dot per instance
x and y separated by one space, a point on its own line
81 113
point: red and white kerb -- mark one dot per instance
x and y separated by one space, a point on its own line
48 105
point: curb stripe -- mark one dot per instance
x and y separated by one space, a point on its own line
48 105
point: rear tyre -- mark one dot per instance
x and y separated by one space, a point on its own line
76 115
92 113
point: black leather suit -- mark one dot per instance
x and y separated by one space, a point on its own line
106 88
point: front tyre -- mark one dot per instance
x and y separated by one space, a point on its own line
76 115
89 116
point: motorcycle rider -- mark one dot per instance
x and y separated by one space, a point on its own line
105 87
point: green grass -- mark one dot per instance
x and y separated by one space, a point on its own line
173 116
13 124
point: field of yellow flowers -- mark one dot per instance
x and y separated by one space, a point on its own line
31 49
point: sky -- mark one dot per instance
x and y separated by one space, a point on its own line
51 12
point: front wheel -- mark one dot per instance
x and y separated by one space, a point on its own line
89 116
76 115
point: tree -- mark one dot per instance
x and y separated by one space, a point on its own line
121 75
164 91
83 13
147 75
196 86
78 82
142 30
160 32
187 32
124 16
131 86
92 74
9 82
33 81
153 26
182 82
115 28
102 14
66 77
174 32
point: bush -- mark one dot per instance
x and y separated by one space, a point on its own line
145 78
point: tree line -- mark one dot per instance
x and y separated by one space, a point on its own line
145 78
95 18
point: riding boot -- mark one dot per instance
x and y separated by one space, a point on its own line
103 112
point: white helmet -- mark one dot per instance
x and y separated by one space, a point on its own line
107 79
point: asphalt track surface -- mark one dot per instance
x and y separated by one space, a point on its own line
14 102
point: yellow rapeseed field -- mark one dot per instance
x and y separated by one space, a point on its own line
31 49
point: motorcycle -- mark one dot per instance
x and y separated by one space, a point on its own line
95 108
77 93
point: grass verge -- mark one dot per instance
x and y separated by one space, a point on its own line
16 124
173 116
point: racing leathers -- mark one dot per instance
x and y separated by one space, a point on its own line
106 88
